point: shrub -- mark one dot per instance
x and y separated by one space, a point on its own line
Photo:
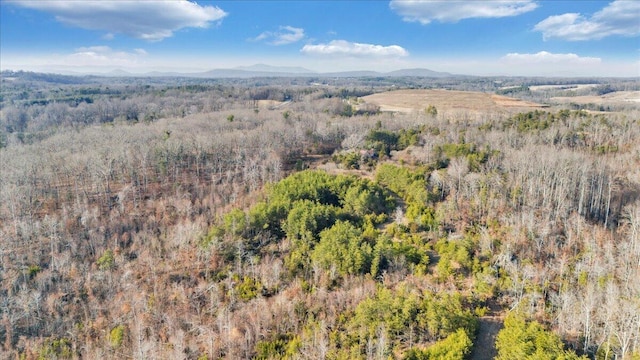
106 261
427 315
33 270
117 335
282 347
306 219
454 347
235 222
443 314
248 289
383 141
342 245
56 349
349 160
523 340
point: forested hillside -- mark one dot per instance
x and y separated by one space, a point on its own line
273 218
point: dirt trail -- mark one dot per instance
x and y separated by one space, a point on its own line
485 344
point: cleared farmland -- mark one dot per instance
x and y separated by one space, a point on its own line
407 101
617 97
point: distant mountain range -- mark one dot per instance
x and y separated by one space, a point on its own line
279 69
262 70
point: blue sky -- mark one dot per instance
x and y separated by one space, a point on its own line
506 37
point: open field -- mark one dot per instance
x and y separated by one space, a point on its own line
618 97
562 87
407 101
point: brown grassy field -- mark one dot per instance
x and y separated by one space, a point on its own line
562 87
408 101
614 98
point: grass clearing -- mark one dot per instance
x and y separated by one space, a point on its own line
408 101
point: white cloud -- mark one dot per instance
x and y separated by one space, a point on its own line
544 57
544 63
620 17
285 35
346 48
425 11
148 20
104 56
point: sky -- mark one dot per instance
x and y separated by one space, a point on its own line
496 37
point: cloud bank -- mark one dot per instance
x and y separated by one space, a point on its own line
425 12
285 35
353 49
545 63
105 56
550 58
621 17
147 20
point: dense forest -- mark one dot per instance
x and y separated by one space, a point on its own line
284 218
